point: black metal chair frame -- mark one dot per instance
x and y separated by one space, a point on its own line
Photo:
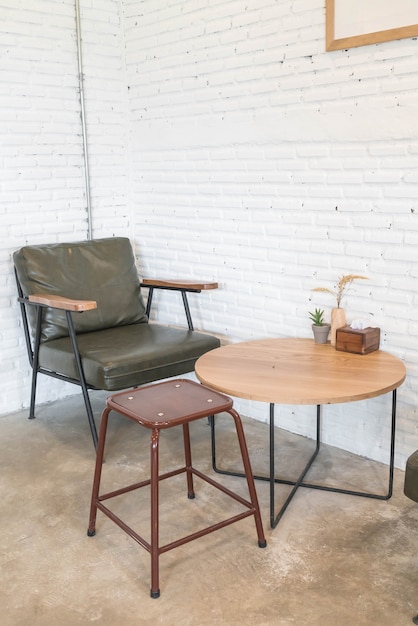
33 347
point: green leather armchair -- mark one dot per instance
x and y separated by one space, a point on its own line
85 320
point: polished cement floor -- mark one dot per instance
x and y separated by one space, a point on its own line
333 560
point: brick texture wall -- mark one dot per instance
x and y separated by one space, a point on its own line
42 176
229 145
266 163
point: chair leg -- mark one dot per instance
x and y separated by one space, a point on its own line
35 362
82 378
188 458
98 473
90 416
249 476
31 415
155 549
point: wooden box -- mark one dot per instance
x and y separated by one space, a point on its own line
357 341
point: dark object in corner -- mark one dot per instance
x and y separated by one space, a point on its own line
411 477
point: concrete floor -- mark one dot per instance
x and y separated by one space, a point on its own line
334 560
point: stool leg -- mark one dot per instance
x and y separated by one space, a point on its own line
188 458
155 590
98 473
249 476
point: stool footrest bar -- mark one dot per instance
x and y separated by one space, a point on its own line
178 542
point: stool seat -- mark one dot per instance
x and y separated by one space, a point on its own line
157 407
169 404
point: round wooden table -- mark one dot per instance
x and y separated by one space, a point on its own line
299 371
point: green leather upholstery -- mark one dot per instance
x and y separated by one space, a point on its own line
118 347
102 270
126 356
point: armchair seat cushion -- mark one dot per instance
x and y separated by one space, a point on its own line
127 356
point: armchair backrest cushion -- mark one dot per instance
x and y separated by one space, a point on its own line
100 269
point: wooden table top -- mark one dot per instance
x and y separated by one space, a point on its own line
298 371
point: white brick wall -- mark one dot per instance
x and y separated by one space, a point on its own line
266 163
244 152
42 185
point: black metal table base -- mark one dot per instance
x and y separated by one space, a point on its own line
299 482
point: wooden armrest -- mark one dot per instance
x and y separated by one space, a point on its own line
178 284
58 302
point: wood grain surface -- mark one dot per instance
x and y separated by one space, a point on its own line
298 371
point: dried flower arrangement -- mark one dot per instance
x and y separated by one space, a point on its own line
342 287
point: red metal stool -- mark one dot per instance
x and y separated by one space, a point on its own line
159 406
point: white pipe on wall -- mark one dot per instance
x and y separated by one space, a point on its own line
83 119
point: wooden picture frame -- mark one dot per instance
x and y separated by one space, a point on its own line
352 23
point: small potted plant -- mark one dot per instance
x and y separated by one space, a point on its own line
320 328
